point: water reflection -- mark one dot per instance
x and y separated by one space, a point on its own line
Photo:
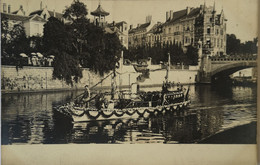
29 118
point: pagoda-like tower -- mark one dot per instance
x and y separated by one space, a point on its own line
99 16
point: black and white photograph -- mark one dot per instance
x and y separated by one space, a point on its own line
129 72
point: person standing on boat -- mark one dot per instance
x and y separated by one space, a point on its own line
86 96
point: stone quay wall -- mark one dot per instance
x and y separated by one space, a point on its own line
34 79
30 79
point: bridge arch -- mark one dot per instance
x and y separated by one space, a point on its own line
229 69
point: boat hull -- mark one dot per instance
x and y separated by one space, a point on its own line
77 114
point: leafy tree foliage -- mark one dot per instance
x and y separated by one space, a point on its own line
235 47
79 44
233 44
76 11
58 41
160 52
13 42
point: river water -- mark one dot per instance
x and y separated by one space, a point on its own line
29 119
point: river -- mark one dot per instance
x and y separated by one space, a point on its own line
29 119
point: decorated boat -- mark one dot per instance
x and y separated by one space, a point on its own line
131 103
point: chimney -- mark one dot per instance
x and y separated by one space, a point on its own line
4 7
113 23
41 5
167 15
188 10
148 19
9 9
171 14
131 27
138 24
54 13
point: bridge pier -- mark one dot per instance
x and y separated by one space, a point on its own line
204 77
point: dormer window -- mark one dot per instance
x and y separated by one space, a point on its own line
44 16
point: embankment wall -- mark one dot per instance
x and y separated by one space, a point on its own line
31 79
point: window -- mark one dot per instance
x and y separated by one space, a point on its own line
36 28
221 43
4 7
186 40
217 32
208 41
170 30
208 30
221 32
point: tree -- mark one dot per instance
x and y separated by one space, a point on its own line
13 42
233 44
57 40
79 43
76 11
192 55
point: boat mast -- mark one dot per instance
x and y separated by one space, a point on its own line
168 68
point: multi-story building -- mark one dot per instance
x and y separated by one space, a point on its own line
122 31
210 29
189 26
33 23
154 35
193 25
138 36
46 14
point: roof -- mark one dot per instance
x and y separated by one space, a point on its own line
139 28
112 30
39 12
156 28
15 17
99 12
118 24
37 18
182 14
57 15
15 12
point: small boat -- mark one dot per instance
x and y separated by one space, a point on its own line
126 104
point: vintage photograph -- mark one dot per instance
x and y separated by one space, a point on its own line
128 72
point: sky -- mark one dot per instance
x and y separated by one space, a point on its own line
241 14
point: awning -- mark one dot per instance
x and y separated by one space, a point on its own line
33 54
23 55
39 55
51 56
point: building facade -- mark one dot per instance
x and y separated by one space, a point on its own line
189 26
193 25
121 29
33 23
138 36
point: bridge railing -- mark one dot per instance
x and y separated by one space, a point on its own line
234 58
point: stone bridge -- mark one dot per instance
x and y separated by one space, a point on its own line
216 67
